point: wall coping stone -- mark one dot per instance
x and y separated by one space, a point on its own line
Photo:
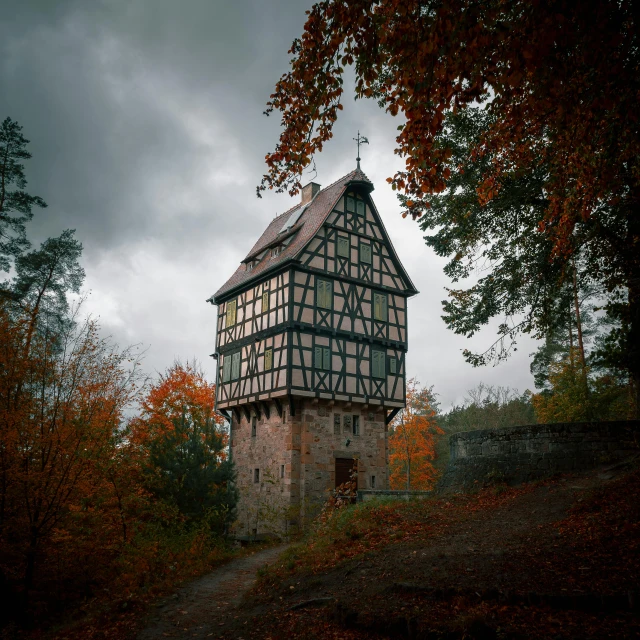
364 494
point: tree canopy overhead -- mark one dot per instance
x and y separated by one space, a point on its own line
562 79
560 84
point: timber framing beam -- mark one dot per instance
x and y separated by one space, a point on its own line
391 415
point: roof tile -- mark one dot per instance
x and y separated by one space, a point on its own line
311 220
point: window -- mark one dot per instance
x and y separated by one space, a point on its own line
377 363
282 471
343 246
254 426
322 358
276 251
346 424
235 365
336 424
249 266
268 359
393 364
231 313
373 482
380 307
226 368
356 425
256 475
265 301
365 253
351 204
324 294
360 207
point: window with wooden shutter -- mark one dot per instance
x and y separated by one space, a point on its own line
268 359
347 423
317 358
380 307
324 294
377 363
393 365
235 366
265 301
365 253
226 369
231 313
343 246
322 358
351 204
360 208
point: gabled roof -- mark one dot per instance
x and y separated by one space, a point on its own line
303 231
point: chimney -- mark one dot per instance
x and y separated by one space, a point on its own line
309 191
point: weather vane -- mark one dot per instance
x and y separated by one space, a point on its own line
360 140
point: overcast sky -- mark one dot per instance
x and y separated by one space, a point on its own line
148 138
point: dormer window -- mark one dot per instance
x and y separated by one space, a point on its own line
276 251
250 266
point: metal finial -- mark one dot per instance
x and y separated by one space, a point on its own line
360 140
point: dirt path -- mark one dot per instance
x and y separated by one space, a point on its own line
202 608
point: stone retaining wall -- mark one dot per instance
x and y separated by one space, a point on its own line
523 454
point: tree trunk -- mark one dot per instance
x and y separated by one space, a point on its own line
29 571
634 341
633 248
576 304
571 342
583 360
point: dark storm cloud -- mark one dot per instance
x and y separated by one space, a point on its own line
106 92
146 128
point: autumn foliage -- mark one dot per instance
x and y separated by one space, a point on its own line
412 441
80 515
99 507
182 446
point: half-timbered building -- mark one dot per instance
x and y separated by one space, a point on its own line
311 347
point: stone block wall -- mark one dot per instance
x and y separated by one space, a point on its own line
523 454
296 458
265 500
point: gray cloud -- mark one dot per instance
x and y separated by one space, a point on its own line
146 128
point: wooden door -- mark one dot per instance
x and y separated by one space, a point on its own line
344 467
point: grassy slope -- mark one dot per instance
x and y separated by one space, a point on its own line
534 561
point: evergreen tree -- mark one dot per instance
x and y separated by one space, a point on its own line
15 203
187 467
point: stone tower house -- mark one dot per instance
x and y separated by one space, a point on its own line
311 346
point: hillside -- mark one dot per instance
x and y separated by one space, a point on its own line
555 559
